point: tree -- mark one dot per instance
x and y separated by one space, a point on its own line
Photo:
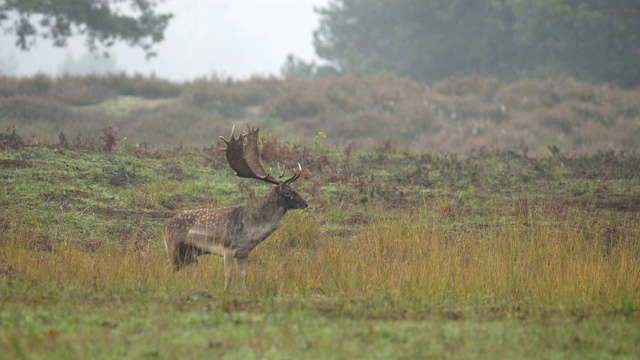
595 40
427 40
592 40
8 64
298 68
101 22
88 63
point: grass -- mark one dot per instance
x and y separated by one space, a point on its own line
399 255
464 219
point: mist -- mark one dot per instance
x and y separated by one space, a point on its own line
224 38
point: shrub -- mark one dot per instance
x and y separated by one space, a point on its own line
37 85
228 97
529 94
8 86
110 138
81 90
10 139
29 109
139 85
481 88
212 96
293 106
171 123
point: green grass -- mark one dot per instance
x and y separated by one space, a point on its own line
403 256
198 326
123 105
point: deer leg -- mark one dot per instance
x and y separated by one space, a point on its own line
242 264
228 268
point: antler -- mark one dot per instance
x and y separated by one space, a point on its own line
246 161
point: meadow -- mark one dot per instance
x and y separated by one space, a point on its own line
485 252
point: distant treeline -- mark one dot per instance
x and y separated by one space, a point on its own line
430 40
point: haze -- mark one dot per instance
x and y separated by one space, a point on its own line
227 38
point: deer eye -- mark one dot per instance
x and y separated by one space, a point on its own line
287 193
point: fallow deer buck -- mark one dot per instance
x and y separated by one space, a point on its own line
232 232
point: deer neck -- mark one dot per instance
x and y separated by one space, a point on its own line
268 210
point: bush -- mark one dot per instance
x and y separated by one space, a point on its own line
10 139
29 109
8 86
481 88
293 106
81 90
37 85
139 85
529 94
228 97
172 123
213 96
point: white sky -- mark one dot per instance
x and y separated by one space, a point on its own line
236 38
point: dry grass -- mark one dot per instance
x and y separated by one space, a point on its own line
411 256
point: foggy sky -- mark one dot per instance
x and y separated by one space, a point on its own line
228 38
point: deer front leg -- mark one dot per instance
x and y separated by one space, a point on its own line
228 268
242 264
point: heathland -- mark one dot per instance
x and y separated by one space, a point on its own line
464 219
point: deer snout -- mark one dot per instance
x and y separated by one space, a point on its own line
301 204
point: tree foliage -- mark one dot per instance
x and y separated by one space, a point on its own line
88 63
593 40
101 22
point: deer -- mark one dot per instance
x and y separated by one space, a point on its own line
233 232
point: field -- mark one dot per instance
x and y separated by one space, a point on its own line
404 252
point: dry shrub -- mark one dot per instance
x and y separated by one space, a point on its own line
149 87
9 86
110 138
468 107
530 94
37 85
477 87
324 97
293 107
603 114
456 115
276 151
170 123
26 109
352 107
256 90
626 102
211 96
10 139
229 97
561 118
81 90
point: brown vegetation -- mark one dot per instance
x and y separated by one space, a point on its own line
456 115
